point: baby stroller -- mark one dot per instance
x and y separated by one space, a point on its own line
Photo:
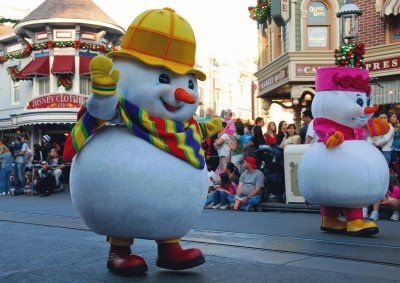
46 184
270 162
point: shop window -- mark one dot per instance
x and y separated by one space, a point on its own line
15 90
318 32
43 85
278 41
84 85
394 29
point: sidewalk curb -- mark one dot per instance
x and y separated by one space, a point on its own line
287 207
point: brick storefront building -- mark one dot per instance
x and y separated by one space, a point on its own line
291 51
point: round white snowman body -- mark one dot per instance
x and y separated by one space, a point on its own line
353 174
124 186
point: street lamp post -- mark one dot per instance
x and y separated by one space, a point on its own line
348 16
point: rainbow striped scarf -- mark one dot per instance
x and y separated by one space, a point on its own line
181 139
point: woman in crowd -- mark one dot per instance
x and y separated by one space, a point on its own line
282 132
292 137
257 138
221 193
233 172
270 135
396 138
223 148
6 168
214 181
237 146
393 199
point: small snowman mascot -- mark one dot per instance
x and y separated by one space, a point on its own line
342 170
139 170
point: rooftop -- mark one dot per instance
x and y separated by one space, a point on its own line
69 9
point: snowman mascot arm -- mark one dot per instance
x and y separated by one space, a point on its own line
328 135
102 104
378 127
210 128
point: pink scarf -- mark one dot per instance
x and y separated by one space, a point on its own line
324 128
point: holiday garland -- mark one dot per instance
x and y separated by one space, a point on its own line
8 20
64 81
55 44
261 12
14 71
350 55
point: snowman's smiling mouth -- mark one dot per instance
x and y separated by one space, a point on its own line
170 108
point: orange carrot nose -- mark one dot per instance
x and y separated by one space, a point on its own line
183 95
370 110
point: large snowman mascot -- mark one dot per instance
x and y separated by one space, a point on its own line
143 175
342 171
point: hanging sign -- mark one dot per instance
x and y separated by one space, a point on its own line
59 100
280 11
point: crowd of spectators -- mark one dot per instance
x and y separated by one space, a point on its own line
30 171
233 150
389 145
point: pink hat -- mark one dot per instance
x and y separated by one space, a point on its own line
343 79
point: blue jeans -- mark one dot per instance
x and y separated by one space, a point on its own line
210 199
5 173
19 175
388 156
256 199
220 197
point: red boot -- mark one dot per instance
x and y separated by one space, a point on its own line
172 256
122 262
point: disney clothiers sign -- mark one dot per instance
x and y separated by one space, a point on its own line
59 100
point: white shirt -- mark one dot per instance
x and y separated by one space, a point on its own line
224 149
311 132
384 141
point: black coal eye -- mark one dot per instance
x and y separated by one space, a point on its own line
164 79
359 101
191 84
368 101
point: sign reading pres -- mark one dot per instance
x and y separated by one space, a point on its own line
59 100
384 64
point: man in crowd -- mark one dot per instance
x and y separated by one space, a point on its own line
21 156
56 164
307 117
46 146
249 190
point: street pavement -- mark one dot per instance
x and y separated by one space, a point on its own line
45 240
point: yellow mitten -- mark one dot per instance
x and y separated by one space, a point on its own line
212 127
336 139
103 82
377 127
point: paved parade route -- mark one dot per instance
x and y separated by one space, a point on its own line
44 240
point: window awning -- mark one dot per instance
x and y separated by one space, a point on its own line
63 65
391 7
84 62
38 67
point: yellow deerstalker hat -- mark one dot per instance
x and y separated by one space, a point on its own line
161 37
